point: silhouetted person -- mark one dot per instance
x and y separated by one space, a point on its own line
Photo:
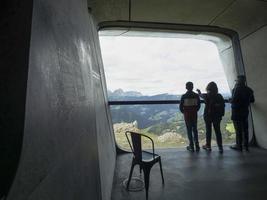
190 104
213 113
242 96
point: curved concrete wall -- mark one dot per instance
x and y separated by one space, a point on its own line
255 60
105 136
68 149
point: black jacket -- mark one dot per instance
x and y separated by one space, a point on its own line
241 98
214 106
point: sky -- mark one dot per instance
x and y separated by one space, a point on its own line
154 65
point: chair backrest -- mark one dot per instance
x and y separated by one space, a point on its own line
136 144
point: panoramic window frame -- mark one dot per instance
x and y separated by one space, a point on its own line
237 67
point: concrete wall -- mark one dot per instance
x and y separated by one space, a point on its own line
255 60
68 150
228 61
105 136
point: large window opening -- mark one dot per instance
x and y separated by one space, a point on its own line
146 75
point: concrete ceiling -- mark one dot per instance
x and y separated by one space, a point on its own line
243 16
181 11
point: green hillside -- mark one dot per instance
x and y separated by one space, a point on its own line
162 122
172 133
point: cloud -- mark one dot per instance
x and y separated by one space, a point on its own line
160 65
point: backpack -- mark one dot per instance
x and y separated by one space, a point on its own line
218 106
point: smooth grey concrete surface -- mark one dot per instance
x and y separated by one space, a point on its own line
68 150
105 136
255 59
181 10
199 176
243 16
228 61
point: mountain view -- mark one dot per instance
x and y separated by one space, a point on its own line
164 123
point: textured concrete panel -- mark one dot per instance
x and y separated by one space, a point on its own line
255 59
60 158
173 11
70 177
105 135
108 10
96 53
244 16
228 61
105 139
183 11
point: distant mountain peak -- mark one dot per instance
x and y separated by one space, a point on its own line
121 93
118 92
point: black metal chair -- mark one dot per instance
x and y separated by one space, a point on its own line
144 159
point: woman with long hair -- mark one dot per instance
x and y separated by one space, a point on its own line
213 113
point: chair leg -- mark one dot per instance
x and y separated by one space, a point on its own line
146 175
130 175
160 165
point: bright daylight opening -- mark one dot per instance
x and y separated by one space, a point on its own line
157 68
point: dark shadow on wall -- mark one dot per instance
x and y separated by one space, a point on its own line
15 25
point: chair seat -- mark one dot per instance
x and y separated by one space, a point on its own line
148 157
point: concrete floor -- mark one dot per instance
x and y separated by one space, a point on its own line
200 176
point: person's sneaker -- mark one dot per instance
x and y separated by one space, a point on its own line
189 148
206 147
236 148
220 150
